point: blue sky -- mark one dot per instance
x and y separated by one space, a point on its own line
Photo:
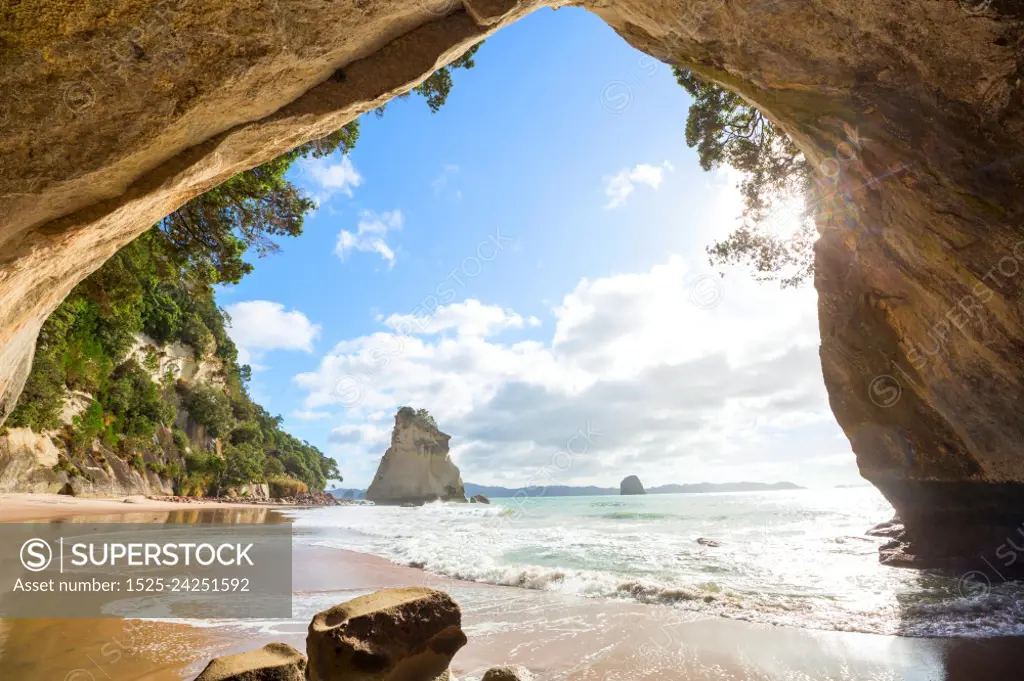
539 245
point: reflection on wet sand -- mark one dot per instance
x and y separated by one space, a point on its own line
198 516
116 649
101 649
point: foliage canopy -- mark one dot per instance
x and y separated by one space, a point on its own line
727 130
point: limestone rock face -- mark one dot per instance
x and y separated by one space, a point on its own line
631 485
26 463
408 634
272 662
911 116
27 459
416 467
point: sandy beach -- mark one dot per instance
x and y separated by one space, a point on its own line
20 508
556 636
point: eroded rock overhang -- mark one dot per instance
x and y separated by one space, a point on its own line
115 113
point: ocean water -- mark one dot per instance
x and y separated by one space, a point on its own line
795 558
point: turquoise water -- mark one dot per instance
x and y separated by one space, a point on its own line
797 558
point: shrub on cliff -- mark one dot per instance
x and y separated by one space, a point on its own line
202 475
41 400
135 401
419 414
243 464
88 425
209 407
286 487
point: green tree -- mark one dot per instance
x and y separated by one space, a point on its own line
135 401
436 88
205 240
243 464
424 415
728 130
209 407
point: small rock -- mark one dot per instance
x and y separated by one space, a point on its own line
703 541
893 529
408 634
479 499
272 662
516 673
631 485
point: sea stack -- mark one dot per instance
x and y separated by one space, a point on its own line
416 468
631 485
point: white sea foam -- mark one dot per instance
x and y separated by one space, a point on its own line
789 558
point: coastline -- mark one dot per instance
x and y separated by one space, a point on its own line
556 636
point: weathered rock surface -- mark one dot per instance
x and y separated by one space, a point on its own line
479 499
272 662
912 116
416 467
408 634
27 461
515 673
631 485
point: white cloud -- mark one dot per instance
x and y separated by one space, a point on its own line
341 176
366 434
448 170
310 415
371 235
261 325
679 390
471 318
618 187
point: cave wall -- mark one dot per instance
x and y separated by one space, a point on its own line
115 112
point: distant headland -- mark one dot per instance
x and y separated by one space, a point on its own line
590 490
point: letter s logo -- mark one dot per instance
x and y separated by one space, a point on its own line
36 555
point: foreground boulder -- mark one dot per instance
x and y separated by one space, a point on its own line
479 499
631 485
408 634
272 662
416 468
508 674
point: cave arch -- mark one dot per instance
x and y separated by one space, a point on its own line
110 120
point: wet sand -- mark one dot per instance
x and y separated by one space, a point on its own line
556 636
20 508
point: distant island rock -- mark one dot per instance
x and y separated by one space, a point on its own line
631 485
416 468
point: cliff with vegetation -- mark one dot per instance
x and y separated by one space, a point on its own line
909 117
416 468
136 389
